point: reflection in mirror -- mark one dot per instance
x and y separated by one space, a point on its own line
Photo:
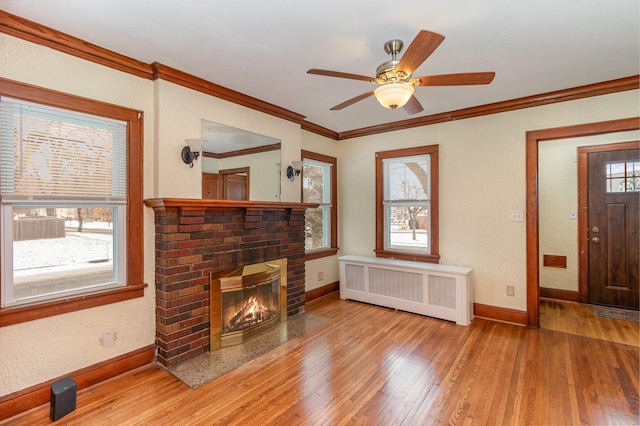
239 165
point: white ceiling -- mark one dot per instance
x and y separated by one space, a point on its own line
264 48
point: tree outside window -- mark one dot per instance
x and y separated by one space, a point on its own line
318 187
406 212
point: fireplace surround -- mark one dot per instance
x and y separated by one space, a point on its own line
247 301
196 238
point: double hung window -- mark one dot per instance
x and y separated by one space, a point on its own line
407 203
70 206
63 187
318 187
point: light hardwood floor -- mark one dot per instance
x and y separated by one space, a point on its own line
579 319
371 365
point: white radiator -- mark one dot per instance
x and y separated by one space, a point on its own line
423 288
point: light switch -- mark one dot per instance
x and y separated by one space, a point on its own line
573 214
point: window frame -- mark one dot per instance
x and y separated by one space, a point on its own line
134 285
380 250
333 212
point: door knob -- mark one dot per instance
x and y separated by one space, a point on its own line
595 239
595 229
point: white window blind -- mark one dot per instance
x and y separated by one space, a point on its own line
49 153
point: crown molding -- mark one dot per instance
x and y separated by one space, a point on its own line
181 78
246 151
45 36
579 92
319 130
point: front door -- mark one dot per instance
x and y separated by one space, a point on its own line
613 221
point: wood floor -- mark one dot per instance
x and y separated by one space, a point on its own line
369 365
579 319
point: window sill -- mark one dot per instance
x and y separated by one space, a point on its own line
428 258
320 254
10 316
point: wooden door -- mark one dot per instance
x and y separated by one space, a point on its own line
234 187
211 186
613 221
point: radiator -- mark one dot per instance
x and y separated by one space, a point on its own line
430 289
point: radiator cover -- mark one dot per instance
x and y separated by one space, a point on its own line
434 290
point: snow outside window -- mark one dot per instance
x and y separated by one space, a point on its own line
407 203
63 192
316 188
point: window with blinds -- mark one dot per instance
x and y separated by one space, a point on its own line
63 193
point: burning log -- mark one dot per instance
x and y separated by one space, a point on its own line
251 313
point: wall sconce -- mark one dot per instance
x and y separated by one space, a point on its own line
191 152
294 169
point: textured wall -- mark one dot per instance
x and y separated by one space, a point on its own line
36 351
482 178
558 193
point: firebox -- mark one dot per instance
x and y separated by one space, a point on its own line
247 301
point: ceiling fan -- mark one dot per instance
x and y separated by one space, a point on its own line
395 76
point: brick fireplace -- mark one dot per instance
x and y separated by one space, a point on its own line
195 238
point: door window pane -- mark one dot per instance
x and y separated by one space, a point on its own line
622 177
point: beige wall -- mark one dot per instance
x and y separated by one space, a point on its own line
558 195
264 176
482 178
325 267
179 114
36 351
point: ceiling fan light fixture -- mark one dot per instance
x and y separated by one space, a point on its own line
394 95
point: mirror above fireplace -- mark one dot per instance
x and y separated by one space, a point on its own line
238 164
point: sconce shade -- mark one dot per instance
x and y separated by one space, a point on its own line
394 95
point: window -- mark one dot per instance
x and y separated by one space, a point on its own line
319 187
622 177
70 203
407 204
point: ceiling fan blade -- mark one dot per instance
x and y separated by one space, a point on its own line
352 101
413 106
419 50
462 79
339 74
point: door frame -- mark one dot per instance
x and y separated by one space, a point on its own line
583 210
246 171
533 138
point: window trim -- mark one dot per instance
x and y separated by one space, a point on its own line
135 250
333 236
434 256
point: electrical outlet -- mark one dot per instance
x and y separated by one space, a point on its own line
516 216
320 276
108 338
511 290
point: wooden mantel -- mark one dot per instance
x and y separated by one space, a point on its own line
197 203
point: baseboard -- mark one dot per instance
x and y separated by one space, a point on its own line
500 314
26 399
321 291
554 293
